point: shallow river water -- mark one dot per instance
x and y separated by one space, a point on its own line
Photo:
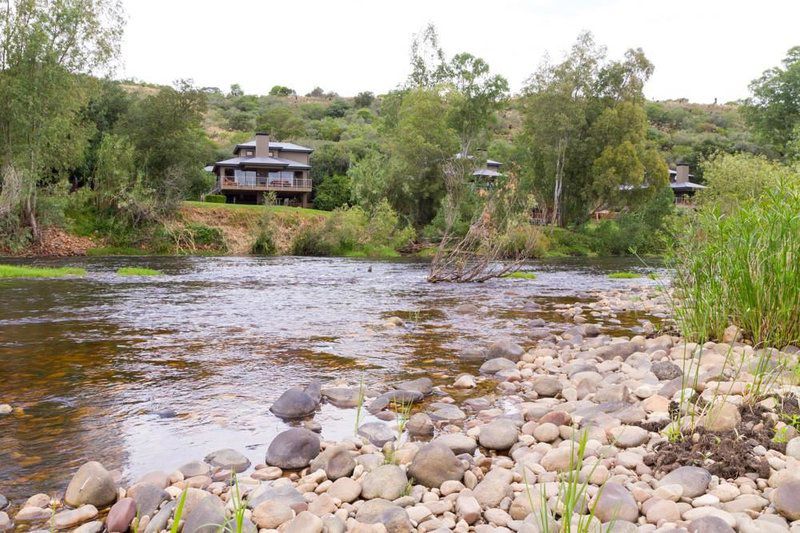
149 373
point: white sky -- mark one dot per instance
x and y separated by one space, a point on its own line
702 49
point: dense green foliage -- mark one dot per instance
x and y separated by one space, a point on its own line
741 268
774 108
355 232
214 198
584 134
114 160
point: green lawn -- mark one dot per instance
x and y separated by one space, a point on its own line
255 208
137 271
21 271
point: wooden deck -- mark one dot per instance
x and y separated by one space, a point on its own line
294 185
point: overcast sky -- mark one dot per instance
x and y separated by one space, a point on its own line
702 49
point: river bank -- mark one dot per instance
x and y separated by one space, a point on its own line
661 433
213 229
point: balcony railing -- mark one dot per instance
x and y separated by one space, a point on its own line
274 181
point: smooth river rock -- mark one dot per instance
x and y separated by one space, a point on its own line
294 448
121 515
377 433
616 503
206 517
336 461
92 484
434 464
499 434
693 479
786 500
228 459
387 482
294 403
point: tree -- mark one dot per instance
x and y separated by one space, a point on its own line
475 97
420 143
171 146
46 48
236 91
428 62
585 133
317 92
332 193
368 180
280 90
774 108
364 99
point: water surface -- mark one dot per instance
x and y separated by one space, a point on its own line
147 373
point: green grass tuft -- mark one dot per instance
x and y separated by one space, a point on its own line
624 275
19 271
138 271
519 274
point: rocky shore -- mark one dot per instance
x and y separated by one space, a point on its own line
576 431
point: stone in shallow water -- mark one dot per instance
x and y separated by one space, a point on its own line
505 348
294 403
194 469
493 366
294 448
342 396
228 459
421 385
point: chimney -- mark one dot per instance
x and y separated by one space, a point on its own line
262 144
682 175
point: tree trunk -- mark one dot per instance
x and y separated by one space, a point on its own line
561 151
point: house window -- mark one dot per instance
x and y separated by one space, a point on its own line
228 172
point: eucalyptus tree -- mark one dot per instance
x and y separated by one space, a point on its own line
584 135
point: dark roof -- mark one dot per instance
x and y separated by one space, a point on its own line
281 146
262 162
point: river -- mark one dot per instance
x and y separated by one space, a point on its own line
147 373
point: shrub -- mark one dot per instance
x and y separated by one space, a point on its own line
742 268
215 198
355 232
265 242
333 192
524 240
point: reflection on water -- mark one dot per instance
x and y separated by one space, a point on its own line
147 373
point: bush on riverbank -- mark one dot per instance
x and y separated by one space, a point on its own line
354 232
742 268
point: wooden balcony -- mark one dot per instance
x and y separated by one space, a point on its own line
266 184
